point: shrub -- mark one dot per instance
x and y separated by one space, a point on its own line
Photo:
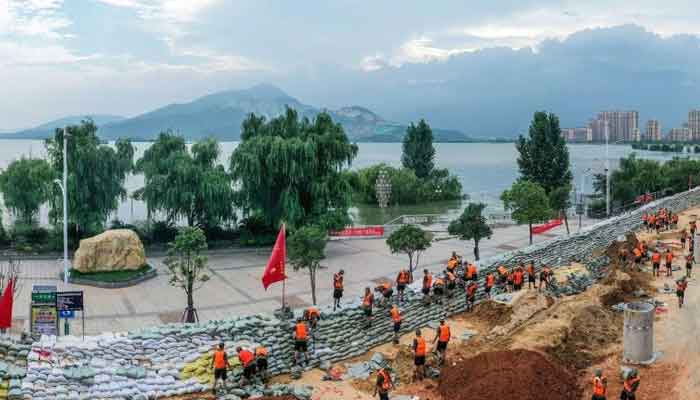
29 234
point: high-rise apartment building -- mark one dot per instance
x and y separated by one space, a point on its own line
678 135
577 135
694 124
622 125
599 128
653 132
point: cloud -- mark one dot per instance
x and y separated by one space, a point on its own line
35 18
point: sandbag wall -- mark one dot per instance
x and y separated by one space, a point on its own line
171 359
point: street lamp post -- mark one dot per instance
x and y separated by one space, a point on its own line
64 190
607 175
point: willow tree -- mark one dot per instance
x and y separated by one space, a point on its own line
290 169
96 175
26 185
186 185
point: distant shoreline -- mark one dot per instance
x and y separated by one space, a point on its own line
238 140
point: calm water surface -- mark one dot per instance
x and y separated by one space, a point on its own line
485 170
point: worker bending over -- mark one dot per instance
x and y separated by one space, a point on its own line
312 315
427 285
600 386
451 279
261 363
471 293
488 285
386 291
439 289
247 359
384 384
629 388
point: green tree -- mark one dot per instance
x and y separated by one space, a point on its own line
186 185
560 199
26 185
292 170
527 202
96 175
418 151
544 158
412 241
306 250
471 225
187 266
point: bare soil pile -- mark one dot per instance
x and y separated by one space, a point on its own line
492 312
593 330
517 374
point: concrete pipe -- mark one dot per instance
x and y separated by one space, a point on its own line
638 335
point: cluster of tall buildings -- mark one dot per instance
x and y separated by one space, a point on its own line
623 126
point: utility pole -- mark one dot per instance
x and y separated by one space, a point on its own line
64 190
607 173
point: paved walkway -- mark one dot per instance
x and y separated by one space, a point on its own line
235 286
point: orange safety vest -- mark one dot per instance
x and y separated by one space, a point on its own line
386 385
490 280
518 278
403 277
681 286
261 352
338 281
428 281
471 271
637 252
395 314
444 333
439 282
598 387
246 357
656 257
420 347
629 384
471 289
452 263
368 300
531 270
669 257
502 270
300 331
312 312
386 286
219 359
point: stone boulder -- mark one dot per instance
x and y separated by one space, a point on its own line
113 250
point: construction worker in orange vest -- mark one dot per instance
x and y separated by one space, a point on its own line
471 294
637 257
681 286
545 276
502 275
219 363
470 273
247 359
510 281
312 315
669 262
442 337
453 262
386 291
439 289
490 280
655 262
630 386
451 283
419 353
689 265
337 288
367 303
396 318
518 276
530 275
427 285
384 384
402 280
261 363
301 341
600 386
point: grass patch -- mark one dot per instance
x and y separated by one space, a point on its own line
111 276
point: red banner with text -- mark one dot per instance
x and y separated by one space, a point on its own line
537 229
363 231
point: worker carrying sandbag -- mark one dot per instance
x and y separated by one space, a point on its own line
384 384
442 337
396 318
600 386
402 280
629 388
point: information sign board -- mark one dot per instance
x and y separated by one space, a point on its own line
69 301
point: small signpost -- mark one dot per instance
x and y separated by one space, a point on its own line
43 315
67 304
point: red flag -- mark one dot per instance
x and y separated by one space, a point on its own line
6 305
274 271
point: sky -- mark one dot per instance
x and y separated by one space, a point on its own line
406 59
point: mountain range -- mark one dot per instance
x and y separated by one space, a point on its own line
221 114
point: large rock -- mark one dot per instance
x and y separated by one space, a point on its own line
113 250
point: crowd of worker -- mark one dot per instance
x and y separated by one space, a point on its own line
465 275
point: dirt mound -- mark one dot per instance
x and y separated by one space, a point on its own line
492 312
518 374
592 332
